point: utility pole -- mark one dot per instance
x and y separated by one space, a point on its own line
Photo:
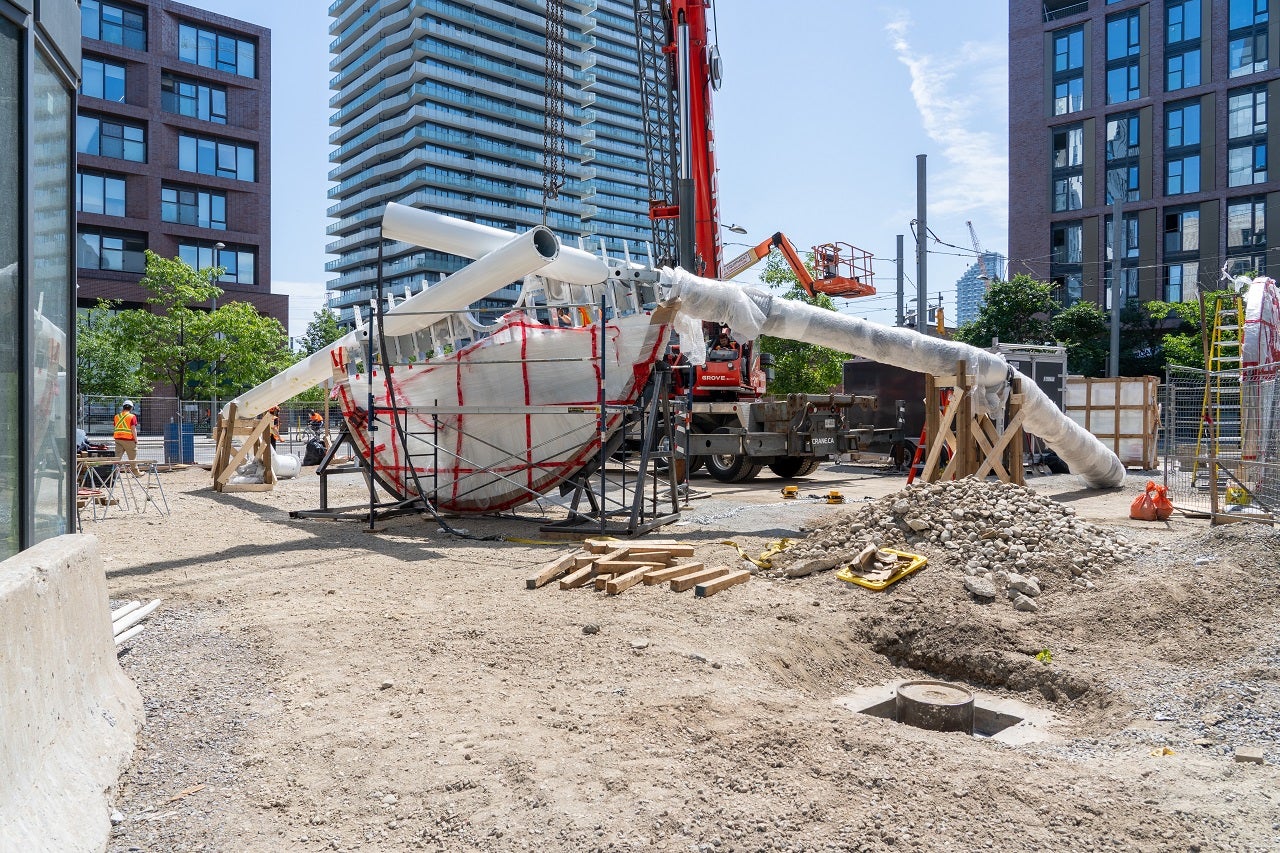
1117 287
922 257
901 276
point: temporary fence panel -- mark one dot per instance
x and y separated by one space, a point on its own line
1123 413
1225 482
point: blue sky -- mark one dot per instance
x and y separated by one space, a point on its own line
824 107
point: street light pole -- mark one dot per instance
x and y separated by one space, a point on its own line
217 265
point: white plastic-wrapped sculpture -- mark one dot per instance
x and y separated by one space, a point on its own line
513 412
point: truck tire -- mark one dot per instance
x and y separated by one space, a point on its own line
732 469
789 467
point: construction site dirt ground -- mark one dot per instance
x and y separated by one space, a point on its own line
310 685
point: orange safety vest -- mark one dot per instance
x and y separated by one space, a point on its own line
126 426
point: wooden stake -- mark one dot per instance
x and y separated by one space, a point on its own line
551 571
710 588
624 582
683 582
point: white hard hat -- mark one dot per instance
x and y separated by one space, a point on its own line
127 403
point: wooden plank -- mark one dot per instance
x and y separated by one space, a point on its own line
581 559
940 435
246 487
683 582
664 575
710 588
577 578
625 582
600 546
618 567
651 557
230 468
675 549
551 571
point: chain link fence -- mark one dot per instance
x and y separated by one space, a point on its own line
1222 443
173 430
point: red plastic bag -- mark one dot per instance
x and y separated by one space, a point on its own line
1164 506
1152 505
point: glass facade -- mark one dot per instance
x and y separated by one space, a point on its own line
217 50
37 497
460 131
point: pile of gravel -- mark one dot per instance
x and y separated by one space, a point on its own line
1010 540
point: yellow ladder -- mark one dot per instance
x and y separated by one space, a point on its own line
1220 432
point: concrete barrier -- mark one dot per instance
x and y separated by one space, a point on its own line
68 713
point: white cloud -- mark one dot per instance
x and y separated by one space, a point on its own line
962 99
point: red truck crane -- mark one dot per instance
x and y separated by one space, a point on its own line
679 69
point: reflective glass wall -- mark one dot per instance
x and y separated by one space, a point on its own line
39 62
10 257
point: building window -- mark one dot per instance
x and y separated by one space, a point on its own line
99 249
1182 175
1124 46
114 23
238 262
1182 125
97 193
1182 70
1247 113
1247 164
1182 21
1180 282
1247 37
189 206
212 157
1065 241
217 50
189 98
1068 71
111 139
1181 230
1247 235
1182 148
1123 148
102 79
1067 157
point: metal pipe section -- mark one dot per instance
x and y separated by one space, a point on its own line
753 311
522 255
473 240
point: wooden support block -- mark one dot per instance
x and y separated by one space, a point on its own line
619 567
584 558
630 579
599 581
705 590
676 549
672 548
688 581
664 575
246 487
660 557
577 578
551 571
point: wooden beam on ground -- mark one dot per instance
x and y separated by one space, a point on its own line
624 582
675 549
683 582
618 567
552 570
663 575
577 578
711 587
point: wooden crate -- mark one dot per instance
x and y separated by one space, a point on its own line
1123 413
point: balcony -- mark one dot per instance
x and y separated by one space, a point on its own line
1055 10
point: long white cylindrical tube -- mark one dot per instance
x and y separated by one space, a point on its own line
129 635
752 311
125 610
119 626
520 255
473 240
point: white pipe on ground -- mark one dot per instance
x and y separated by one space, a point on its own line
473 240
751 311
119 626
519 256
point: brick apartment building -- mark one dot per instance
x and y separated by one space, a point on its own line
174 149
1164 100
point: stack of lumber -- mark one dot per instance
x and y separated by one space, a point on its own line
614 567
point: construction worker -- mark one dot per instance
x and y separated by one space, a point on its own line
274 414
126 436
316 421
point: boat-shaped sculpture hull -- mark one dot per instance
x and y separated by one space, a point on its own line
505 419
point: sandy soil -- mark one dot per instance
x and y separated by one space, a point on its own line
313 686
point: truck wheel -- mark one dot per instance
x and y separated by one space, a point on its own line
788 467
732 469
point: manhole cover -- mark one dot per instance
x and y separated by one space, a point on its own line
1003 719
935 705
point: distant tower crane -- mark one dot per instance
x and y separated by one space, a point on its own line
977 248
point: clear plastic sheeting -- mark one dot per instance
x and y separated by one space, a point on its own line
518 257
754 311
505 419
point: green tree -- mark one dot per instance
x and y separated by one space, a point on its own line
1084 329
107 361
321 331
180 344
799 368
1183 344
1015 311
